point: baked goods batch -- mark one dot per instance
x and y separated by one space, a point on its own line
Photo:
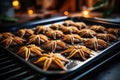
56 45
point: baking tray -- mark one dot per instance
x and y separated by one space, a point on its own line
95 60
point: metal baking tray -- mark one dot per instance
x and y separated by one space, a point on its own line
84 66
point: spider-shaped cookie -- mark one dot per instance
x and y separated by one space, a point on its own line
37 39
12 41
54 45
78 52
51 61
54 34
95 44
72 38
29 51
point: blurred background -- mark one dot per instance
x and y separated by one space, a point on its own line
18 11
